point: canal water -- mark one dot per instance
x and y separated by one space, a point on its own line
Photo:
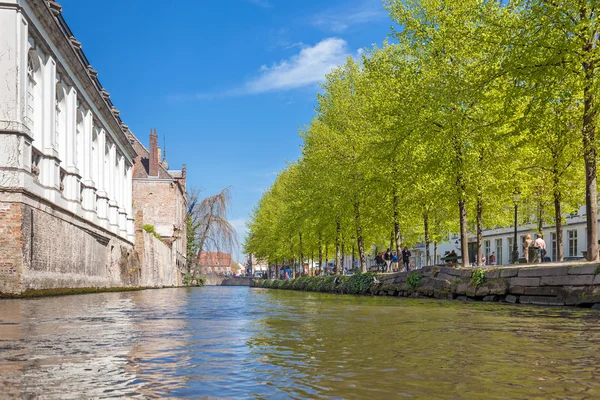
236 342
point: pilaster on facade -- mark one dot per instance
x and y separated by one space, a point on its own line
54 126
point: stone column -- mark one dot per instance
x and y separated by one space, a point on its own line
129 204
71 181
87 167
102 196
112 202
121 181
15 135
49 164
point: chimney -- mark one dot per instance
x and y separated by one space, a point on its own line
153 162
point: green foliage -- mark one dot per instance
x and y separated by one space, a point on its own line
357 283
150 229
414 279
354 284
472 99
188 279
478 277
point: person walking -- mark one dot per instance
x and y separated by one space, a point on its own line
526 245
394 261
493 258
387 257
539 242
406 258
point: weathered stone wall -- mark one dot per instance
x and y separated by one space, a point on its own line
223 280
157 267
44 247
576 284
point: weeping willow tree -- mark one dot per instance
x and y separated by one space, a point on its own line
207 226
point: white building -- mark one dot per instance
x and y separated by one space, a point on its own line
61 138
500 241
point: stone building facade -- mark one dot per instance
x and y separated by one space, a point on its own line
160 198
66 161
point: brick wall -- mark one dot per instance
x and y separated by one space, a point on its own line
11 247
44 247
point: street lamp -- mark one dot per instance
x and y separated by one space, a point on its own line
516 197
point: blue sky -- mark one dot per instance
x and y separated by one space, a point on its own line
228 82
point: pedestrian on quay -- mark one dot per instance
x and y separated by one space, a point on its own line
482 260
526 245
539 242
493 258
387 257
395 261
406 258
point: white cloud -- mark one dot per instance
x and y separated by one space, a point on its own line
305 68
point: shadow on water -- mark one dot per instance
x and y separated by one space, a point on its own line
235 342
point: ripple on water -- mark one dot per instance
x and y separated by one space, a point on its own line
240 342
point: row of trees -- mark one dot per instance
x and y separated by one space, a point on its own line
432 132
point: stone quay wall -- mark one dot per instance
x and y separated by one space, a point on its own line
43 247
224 280
156 261
556 284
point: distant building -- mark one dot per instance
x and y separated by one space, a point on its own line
159 196
214 262
500 241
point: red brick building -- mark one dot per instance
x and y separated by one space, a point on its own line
160 195
214 262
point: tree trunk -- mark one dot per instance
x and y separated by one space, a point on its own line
589 145
558 214
293 267
359 238
338 229
312 262
326 258
341 271
320 251
397 227
540 226
479 227
464 244
435 244
427 242
301 255
353 258
462 207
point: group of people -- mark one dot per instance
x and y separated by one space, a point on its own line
527 243
388 261
539 242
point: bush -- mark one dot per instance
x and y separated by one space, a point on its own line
150 229
414 279
357 284
478 277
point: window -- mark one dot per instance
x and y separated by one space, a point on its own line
554 248
499 251
29 112
487 248
510 248
572 243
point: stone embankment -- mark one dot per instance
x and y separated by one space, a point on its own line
570 284
224 280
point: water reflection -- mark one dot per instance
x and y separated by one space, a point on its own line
241 342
